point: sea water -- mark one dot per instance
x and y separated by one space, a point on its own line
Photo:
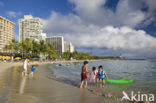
142 71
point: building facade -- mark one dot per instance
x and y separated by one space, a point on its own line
58 43
6 32
68 47
31 27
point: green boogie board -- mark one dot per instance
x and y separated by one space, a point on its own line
122 81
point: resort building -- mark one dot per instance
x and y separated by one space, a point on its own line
31 27
6 32
58 43
68 47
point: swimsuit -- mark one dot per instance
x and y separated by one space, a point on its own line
101 75
32 69
83 76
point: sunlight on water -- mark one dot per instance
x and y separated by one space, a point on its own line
142 71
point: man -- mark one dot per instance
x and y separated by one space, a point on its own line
25 66
84 74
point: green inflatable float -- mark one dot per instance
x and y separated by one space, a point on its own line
122 81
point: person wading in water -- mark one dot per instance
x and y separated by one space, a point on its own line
84 72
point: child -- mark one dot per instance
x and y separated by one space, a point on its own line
32 71
94 73
102 75
84 72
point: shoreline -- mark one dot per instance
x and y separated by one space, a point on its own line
43 89
44 65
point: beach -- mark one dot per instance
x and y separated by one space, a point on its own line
41 88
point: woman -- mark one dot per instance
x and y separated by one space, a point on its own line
25 65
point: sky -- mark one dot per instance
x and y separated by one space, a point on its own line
99 27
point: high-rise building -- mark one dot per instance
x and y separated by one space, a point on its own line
6 32
68 47
31 27
58 43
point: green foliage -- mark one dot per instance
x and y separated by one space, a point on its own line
83 56
26 47
12 46
67 55
100 57
76 55
43 47
31 49
51 52
35 50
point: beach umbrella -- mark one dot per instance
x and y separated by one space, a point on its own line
1 56
17 58
7 57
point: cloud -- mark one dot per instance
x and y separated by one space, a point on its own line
98 27
123 38
13 14
83 35
1 4
95 12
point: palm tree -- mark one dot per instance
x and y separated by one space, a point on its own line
36 49
26 47
12 46
43 48
51 51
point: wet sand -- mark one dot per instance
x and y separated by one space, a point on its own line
42 89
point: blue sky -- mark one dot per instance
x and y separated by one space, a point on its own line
37 8
104 27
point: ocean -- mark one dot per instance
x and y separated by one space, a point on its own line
142 71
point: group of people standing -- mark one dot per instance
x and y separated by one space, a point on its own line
25 66
92 75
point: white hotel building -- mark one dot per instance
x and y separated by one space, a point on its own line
60 45
6 32
31 27
68 47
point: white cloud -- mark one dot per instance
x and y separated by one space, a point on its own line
1 4
96 26
95 12
83 35
13 14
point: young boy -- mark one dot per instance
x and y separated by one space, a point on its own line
102 75
84 72
32 71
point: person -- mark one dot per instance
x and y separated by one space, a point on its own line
25 65
84 72
93 74
96 74
32 71
102 76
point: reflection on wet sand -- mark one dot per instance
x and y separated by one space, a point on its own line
41 89
22 85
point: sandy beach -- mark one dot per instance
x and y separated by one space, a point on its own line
41 88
